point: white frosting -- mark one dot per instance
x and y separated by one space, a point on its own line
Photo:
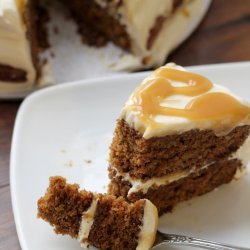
15 48
172 124
243 153
139 17
149 227
181 22
86 224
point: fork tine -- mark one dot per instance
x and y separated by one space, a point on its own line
181 240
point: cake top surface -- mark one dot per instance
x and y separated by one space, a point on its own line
173 100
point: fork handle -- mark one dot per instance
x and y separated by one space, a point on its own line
180 240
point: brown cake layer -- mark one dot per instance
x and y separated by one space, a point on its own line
165 197
12 75
159 156
96 25
63 205
36 18
155 30
40 17
116 222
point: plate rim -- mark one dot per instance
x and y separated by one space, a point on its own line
52 89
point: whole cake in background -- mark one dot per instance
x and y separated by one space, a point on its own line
150 30
179 136
103 221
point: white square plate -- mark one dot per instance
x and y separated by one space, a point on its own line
66 130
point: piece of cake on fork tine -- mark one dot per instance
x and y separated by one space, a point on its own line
100 220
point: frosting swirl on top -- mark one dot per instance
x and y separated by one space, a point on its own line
172 99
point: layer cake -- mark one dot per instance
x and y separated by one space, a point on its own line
147 29
179 136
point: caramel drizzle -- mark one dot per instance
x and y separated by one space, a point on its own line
20 5
206 106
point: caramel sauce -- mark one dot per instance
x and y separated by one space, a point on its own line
20 5
186 13
213 106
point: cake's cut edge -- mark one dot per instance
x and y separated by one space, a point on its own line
179 153
98 26
166 197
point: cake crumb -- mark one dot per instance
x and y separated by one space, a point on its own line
68 164
240 172
63 151
44 61
55 30
52 54
88 161
147 60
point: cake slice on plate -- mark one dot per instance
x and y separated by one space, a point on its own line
100 220
179 136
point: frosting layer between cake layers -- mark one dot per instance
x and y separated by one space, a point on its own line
86 224
15 48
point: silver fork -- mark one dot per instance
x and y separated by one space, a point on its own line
181 240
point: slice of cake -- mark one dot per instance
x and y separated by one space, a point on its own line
99 220
179 136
